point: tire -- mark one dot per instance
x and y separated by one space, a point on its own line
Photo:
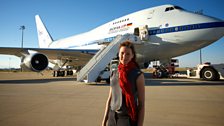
108 81
160 74
60 73
209 74
98 79
69 73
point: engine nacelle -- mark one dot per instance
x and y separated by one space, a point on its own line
35 62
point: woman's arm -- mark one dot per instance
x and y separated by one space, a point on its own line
105 118
141 99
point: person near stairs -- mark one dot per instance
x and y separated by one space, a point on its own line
126 101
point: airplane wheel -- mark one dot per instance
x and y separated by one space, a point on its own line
108 80
209 74
69 73
98 79
60 73
54 73
159 74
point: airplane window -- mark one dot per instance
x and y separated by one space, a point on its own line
189 27
154 32
180 28
179 8
168 29
162 30
176 29
171 8
196 26
167 9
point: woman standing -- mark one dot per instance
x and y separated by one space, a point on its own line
126 102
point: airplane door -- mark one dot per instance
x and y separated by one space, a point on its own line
143 33
136 31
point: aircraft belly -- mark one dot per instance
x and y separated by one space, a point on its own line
164 50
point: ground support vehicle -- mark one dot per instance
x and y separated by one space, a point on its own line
207 71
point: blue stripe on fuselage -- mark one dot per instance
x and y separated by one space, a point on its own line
186 28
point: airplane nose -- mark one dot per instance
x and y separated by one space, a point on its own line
218 31
215 29
211 28
205 30
214 26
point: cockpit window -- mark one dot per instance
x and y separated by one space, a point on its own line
169 9
177 7
172 8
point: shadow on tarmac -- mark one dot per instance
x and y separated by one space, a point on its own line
36 81
172 82
148 82
182 82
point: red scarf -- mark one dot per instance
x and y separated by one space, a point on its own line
126 87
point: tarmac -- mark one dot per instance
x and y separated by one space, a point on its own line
31 99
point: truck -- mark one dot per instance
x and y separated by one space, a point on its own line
207 71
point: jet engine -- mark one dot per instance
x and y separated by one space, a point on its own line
35 62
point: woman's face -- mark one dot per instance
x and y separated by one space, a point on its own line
125 55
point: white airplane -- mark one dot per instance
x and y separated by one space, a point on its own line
166 31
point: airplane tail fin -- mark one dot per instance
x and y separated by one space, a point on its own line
44 37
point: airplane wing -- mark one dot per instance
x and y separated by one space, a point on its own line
76 57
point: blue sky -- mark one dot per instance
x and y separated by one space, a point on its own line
69 17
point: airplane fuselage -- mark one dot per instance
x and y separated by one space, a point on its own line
171 31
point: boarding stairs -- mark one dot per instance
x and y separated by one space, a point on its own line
101 59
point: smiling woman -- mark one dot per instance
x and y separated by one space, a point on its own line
126 102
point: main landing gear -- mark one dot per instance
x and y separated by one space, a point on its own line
62 73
